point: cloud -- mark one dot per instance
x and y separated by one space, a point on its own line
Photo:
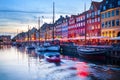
20 11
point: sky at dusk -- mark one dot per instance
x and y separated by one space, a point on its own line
16 15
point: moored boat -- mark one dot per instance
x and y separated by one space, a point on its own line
92 53
30 47
52 56
53 48
40 49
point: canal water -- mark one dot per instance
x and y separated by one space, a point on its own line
20 64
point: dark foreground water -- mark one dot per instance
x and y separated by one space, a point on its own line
19 64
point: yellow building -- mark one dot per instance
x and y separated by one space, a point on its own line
110 22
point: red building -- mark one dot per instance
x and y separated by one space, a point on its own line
71 27
80 25
93 20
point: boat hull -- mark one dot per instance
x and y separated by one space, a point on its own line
93 55
53 48
52 57
41 49
53 60
30 47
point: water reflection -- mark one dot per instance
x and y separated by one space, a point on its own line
20 64
82 69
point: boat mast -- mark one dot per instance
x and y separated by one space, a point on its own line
39 29
53 21
85 23
28 36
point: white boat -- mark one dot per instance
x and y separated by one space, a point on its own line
40 49
52 56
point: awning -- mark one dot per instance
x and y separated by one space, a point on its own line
115 38
99 37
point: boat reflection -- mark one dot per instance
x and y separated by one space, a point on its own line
82 69
69 58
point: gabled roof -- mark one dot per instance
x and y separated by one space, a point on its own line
96 5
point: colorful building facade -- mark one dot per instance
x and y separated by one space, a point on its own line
110 18
71 27
93 20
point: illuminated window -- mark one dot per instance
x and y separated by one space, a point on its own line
109 33
113 33
99 26
92 27
102 33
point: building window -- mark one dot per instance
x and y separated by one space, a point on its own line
106 33
103 24
104 8
117 12
117 22
108 14
109 33
99 26
92 7
109 23
110 5
87 15
93 27
92 20
113 13
113 33
98 19
95 19
93 14
106 2
102 33
103 16
98 12
113 22
106 24
118 2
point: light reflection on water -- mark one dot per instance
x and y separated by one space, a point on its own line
19 64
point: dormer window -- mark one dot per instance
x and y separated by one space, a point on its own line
110 5
91 7
106 2
104 7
